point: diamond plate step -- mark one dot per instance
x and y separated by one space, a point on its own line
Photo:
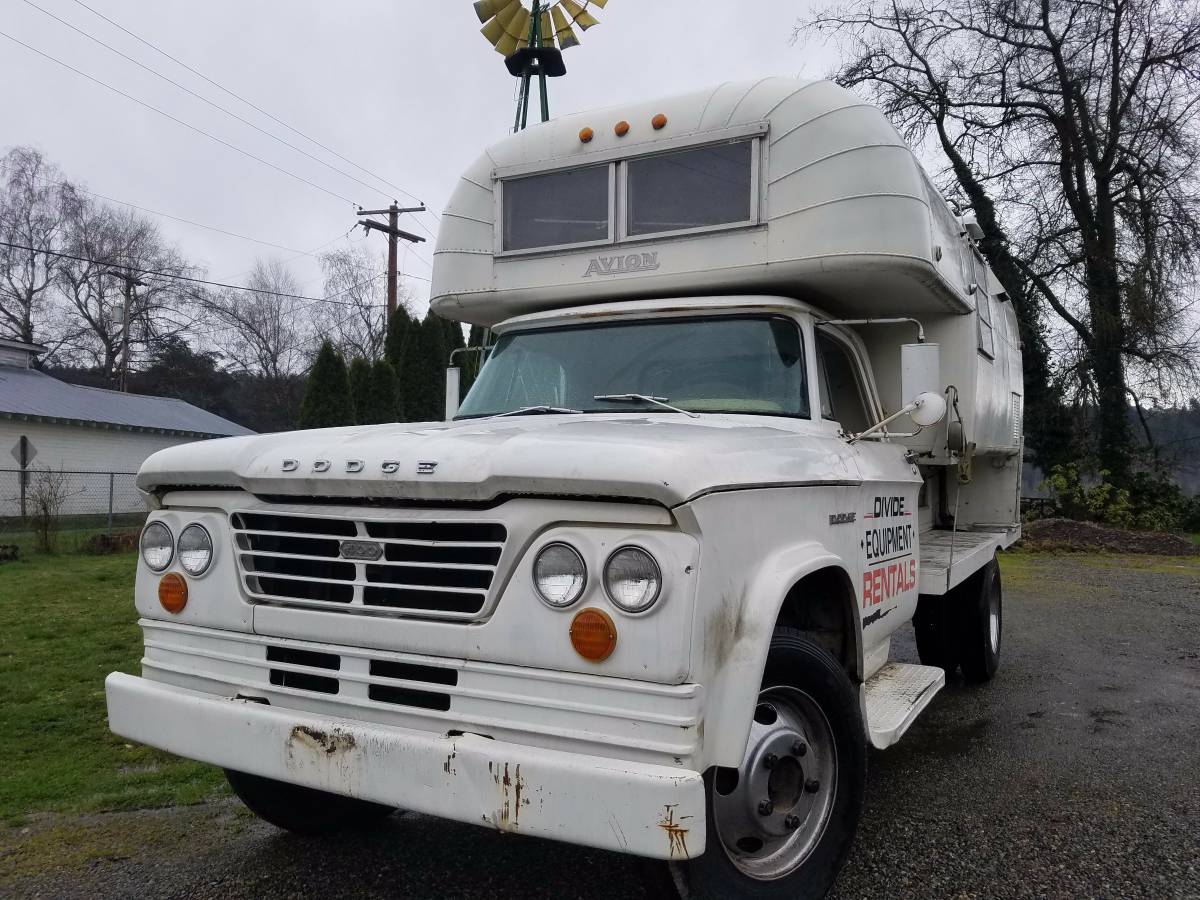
896 694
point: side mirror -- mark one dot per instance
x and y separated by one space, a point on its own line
453 391
928 409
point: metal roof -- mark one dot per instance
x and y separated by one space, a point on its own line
28 393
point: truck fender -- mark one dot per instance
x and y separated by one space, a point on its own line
735 685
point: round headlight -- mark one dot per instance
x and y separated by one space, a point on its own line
195 549
559 575
632 579
157 546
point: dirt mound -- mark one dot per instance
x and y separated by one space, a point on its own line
1069 535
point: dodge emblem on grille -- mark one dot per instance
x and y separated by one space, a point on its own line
364 550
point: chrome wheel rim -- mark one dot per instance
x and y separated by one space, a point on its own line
994 618
772 815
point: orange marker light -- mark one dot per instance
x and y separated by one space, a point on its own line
659 121
585 135
173 592
593 634
621 128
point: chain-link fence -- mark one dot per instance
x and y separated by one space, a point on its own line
73 506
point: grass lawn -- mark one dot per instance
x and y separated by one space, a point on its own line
65 623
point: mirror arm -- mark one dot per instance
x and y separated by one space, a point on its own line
883 423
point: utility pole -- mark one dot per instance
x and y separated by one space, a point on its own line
392 230
131 282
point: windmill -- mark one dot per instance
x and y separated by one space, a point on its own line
532 40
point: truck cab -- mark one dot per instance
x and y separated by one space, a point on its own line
751 403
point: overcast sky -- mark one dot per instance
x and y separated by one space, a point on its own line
410 91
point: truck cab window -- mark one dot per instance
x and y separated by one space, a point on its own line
717 364
556 208
839 386
703 186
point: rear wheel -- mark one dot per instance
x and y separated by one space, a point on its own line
301 809
781 824
979 618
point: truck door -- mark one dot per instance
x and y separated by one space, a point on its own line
887 552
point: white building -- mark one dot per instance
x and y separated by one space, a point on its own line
49 424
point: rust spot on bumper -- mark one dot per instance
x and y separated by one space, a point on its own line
676 833
327 742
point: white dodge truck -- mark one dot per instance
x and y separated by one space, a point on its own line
752 403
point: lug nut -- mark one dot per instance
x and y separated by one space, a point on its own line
765 807
769 760
799 748
792 822
812 785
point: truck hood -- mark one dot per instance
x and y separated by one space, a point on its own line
668 458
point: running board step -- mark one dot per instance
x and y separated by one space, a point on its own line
896 695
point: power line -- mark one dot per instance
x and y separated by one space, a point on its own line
177 277
179 121
154 212
253 106
201 97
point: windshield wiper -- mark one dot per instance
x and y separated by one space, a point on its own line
536 411
644 398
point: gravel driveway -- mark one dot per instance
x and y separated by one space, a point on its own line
1075 774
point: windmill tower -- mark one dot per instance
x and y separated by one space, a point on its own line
532 40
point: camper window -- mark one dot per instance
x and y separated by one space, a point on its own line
556 208
696 188
983 305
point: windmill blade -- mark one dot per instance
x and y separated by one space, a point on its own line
579 15
562 30
517 28
487 9
547 33
498 30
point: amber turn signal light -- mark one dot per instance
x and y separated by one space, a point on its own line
172 592
593 634
659 122
621 128
585 135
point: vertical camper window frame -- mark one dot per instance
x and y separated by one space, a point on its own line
983 307
550 248
756 151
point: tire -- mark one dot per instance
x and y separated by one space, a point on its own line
303 810
937 633
979 618
803 686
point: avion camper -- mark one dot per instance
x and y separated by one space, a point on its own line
751 403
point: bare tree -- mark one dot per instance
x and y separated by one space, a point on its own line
354 317
1068 126
31 216
264 332
104 243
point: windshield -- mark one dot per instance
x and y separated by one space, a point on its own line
726 364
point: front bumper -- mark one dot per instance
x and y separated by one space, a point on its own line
594 801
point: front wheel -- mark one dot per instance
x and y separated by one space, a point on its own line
781 824
301 809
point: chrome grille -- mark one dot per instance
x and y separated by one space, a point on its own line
441 569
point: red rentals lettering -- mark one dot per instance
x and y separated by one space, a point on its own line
887 581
